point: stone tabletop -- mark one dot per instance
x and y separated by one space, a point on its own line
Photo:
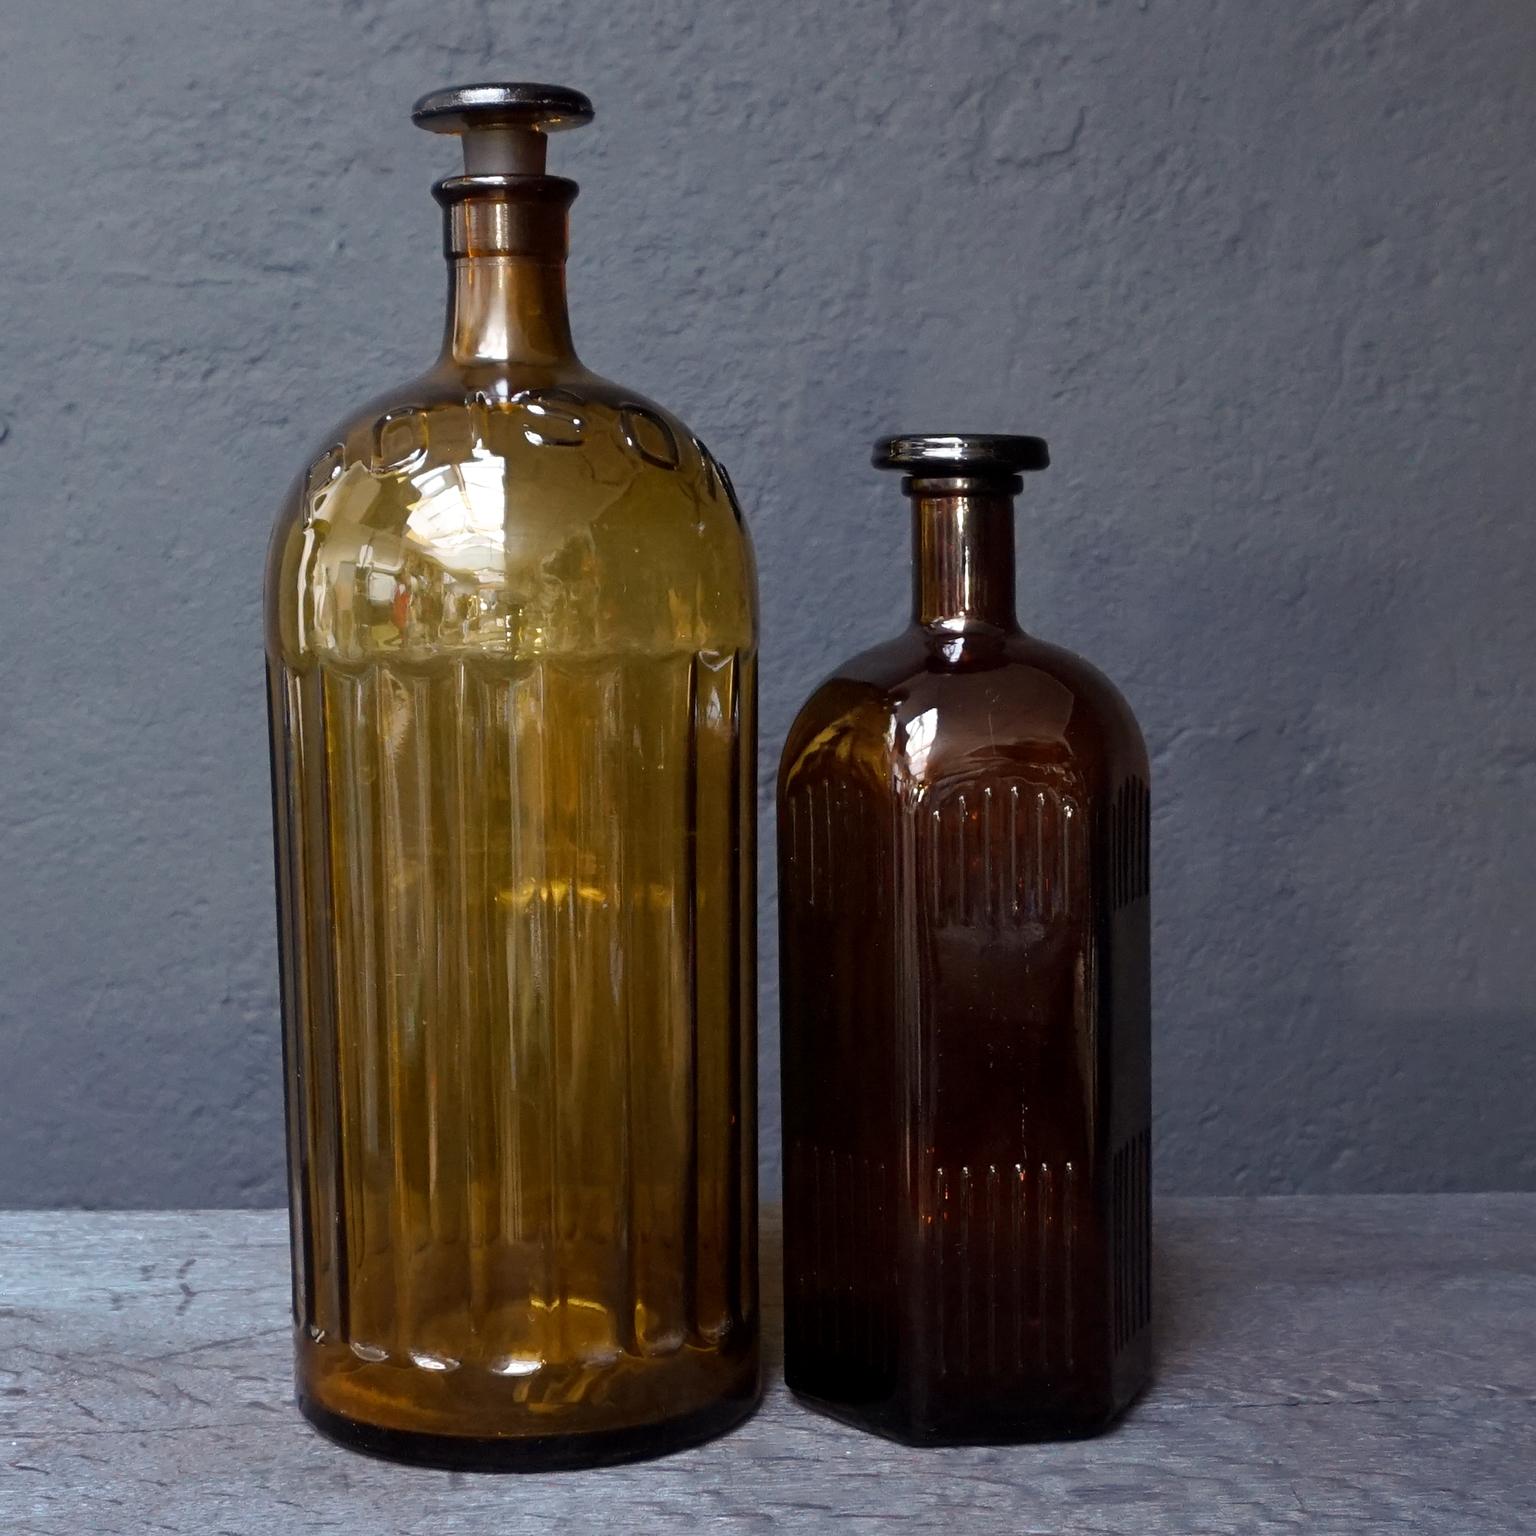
1352 1365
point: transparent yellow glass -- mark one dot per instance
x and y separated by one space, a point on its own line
511 642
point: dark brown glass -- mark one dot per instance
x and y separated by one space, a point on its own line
963 820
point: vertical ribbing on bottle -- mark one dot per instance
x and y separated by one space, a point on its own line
350 704
470 943
716 926
689 864
290 948
309 744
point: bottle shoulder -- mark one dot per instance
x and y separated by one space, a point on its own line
542 424
921 710
536 508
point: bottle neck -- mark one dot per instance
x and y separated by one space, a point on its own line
962 549
504 309
506 246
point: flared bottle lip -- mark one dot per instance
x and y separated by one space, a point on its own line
947 455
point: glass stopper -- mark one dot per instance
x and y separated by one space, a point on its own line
504 125
939 454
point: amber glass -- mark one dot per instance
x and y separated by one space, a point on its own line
511 640
964 901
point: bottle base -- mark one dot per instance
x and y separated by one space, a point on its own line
894 1422
543 1453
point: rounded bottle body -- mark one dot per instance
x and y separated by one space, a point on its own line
511 637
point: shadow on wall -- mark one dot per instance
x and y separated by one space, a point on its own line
1329 880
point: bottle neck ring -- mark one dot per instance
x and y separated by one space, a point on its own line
525 216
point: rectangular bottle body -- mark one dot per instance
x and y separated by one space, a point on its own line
965 1054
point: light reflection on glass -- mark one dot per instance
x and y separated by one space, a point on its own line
459 515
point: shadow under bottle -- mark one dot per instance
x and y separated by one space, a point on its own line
963 821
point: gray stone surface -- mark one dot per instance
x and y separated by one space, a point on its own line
1348 1365
1264 276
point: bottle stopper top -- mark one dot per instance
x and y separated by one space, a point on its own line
504 126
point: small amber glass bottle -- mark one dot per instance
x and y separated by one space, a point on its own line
511 642
963 892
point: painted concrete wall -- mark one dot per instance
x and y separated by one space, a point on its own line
1262 274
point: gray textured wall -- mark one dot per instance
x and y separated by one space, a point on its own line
1262 273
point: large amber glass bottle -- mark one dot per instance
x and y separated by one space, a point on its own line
964 895
511 637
